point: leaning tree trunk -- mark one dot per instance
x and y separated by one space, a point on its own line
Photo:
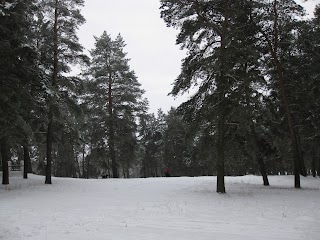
273 48
259 157
296 155
111 133
5 159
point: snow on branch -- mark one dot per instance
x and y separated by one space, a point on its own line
6 7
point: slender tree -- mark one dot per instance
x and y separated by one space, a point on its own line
61 19
114 88
282 14
27 168
5 159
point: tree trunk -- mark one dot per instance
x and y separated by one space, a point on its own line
127 169
76 168
83 161
317 160
258 151
111 133
313 162
49 150
221 89
5 159
303 169
124 172
27 168
88 167
53 84
144 169
295 147
273 48
220 160
109 170
260 161
88 161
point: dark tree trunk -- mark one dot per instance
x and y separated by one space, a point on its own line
124 172
53 84
83 161
220 160
144 169
88 162
5 159
27 168
88 167
74 165
258 150
273 48
49 151
313 162
115 173
317 160
109 170
127 169
260 161
221 88
297 161
303 169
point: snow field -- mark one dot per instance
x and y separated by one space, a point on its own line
159 208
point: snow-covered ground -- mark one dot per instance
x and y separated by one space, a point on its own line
159 208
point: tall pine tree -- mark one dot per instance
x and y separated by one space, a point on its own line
59 48
114 99
18 73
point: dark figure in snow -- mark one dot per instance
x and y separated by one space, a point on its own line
167 172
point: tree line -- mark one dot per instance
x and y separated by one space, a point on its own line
253 67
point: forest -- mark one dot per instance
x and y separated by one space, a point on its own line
252 67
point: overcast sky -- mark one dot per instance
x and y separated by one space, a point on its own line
151 47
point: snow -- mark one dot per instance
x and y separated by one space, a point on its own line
8 6
159 208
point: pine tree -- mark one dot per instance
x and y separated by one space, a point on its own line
151 142
207 29
281 14
114 88
18 74
304 87
177 145
59 47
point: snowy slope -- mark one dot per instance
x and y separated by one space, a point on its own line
159 208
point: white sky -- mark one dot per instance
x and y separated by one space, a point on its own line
150 44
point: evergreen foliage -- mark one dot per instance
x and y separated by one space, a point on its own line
59 47
114 101
240 61
253 67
